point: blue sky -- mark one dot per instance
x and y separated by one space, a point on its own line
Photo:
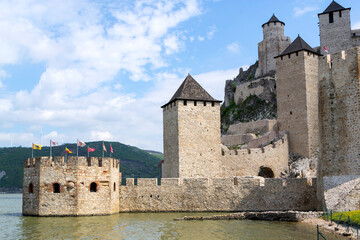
100 70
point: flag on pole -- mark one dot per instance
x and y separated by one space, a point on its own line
91 149
104 148
36 146
67 150
325 49
160 163
80 143
53 143
111 149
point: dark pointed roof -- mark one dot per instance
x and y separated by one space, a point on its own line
333 7
298 45
191 90
273 19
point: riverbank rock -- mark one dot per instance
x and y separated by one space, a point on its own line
286 216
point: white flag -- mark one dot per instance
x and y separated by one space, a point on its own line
53 143
80 143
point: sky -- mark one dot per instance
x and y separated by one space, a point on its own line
101 69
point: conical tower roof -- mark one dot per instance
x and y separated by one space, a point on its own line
191 90
333 7
273 19
298 45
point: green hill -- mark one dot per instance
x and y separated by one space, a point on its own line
134 162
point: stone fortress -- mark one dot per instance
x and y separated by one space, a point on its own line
318 108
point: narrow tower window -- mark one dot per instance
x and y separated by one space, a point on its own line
340 14
31 188
114 187
93 187
331 17
56 188
185 102
195 103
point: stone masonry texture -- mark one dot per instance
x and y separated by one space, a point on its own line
339 168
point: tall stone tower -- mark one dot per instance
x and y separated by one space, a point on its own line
273 44
192 135
339 111
297 96
335 28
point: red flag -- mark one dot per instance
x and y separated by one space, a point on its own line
111 149
104 147
67 150
160 163
91 149
325 49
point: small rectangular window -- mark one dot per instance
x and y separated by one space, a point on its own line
289 55
195 103
340 14
185 102
204 104
297 53
212 104
331 17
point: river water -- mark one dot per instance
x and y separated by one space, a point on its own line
141 226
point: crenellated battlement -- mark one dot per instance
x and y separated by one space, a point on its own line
232 181
263 150
46 161
337 61
217 194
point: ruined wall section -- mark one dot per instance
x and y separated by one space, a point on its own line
297 103
74 178
218 194
199 139
247 162
339 168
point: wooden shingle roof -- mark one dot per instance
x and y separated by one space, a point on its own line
273 19
296 46
333 7
191 90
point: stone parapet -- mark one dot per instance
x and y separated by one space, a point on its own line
218 194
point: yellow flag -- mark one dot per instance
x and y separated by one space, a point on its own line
36 146
68 150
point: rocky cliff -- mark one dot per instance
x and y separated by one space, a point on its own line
248 98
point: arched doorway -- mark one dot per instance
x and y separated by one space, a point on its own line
266 172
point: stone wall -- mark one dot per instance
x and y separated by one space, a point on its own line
264 88
339 168
195 126
217 194
74 178
297 100
335 36
256 127
247 162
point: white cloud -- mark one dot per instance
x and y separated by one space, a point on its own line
233 47
304 10
356 25
76 96
210 34
171 44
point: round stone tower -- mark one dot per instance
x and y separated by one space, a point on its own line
273 44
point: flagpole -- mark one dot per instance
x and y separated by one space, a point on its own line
77 148
103 149
88 151
32 151
50 150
